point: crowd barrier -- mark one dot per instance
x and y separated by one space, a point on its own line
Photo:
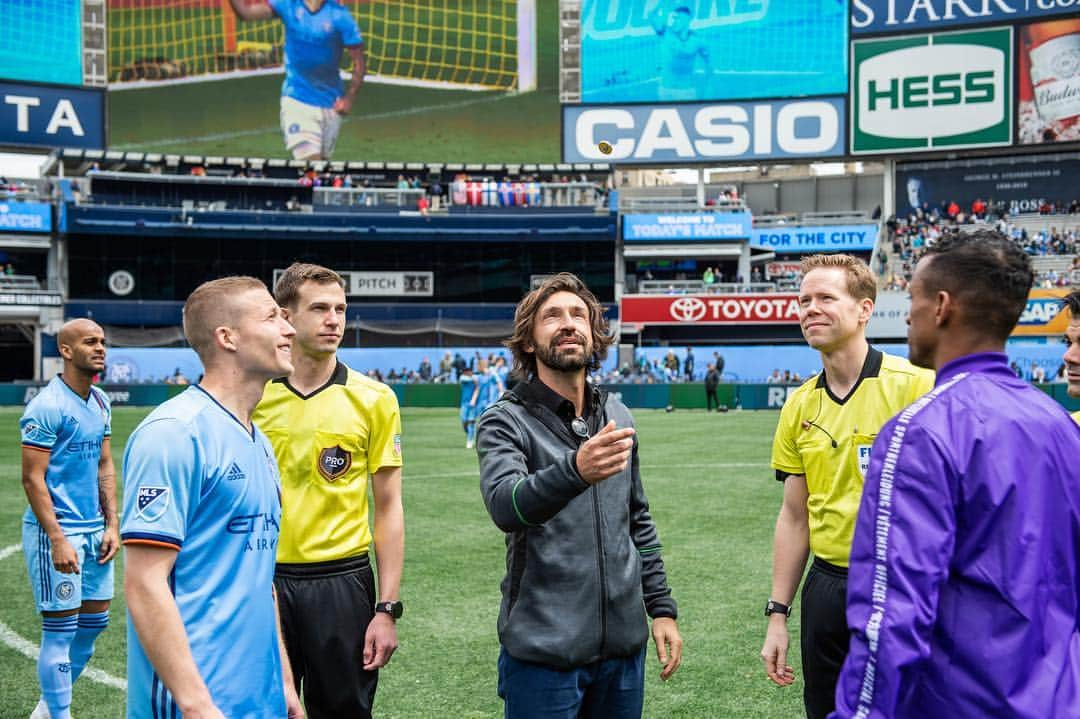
640 396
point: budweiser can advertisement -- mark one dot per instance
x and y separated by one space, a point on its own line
1049 87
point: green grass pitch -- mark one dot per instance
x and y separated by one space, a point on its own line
714 501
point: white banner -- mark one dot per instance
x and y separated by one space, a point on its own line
385 284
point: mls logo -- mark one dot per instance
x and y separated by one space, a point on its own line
151 502
334 462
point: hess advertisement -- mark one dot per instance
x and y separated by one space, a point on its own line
927 92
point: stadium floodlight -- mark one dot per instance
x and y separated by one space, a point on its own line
481 45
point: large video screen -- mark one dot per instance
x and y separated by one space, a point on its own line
41 41
444 81
693 50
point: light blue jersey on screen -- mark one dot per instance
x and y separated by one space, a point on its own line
71 429
314 42
197 481
468 386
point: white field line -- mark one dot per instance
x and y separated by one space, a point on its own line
9 637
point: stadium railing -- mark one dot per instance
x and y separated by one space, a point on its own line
21 283
368 197
676 204
691 287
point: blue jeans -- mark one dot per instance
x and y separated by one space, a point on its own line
606 689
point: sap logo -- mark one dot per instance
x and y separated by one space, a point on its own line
1040 311
904 94
640 133
62 116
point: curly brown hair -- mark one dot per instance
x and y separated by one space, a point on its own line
525 323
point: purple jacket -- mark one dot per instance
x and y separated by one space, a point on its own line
964 583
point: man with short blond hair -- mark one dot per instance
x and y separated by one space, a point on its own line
820 451
335 432
200 524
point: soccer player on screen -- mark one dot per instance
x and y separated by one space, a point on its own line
680 48
70 532
1072 341
202 512
313 96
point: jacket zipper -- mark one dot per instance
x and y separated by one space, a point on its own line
600 567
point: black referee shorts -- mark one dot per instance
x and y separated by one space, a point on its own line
824 635
325 610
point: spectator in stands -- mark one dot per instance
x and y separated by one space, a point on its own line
178 378
425 370
708 278
446 366
688 365
787 377
1015 367
718 360
775 377
1038 374
671 363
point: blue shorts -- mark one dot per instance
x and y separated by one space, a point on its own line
58 592
468 413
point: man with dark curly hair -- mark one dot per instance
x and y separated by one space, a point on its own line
560 476
964 581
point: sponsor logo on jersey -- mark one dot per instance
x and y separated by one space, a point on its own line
151 502
334 462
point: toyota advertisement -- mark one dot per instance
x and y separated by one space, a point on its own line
768 309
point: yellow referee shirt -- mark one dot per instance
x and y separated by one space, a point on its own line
1076 416
828 439
328 444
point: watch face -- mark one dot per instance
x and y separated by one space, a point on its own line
394 609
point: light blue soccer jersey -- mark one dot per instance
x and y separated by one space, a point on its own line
313 46
468 386
71 429
197 481
489 389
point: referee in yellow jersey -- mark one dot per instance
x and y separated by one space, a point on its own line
1072 347
820 453
333 429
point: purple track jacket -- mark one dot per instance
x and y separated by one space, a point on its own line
964 583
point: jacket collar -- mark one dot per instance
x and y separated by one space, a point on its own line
985 362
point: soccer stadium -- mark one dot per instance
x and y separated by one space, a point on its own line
787 294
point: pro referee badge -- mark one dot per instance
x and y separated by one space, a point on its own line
334 462
397 444
864 458
151 502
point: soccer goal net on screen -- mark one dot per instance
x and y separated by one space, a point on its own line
459 44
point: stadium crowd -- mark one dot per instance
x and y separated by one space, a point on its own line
908 237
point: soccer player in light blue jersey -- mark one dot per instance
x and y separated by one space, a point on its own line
202 510
70 532
680 49
313 96
467 381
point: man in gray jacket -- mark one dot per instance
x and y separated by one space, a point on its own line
559 474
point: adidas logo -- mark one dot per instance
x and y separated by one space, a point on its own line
234 473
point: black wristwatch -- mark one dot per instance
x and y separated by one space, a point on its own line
394 609
772 607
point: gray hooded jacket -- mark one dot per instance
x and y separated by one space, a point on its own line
583 564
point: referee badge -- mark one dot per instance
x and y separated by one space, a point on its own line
334 462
